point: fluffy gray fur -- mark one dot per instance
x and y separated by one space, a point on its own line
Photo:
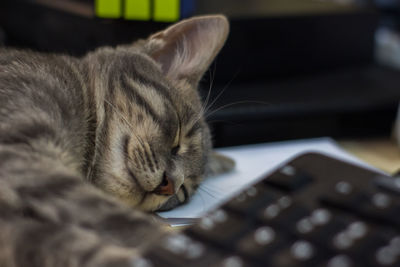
87 144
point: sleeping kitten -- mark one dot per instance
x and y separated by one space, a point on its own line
127 120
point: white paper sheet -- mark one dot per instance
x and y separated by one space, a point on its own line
253 162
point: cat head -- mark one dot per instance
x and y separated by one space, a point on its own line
153 146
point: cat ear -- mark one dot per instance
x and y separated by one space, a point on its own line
186 49
219 164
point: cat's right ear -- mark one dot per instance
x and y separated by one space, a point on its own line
186 49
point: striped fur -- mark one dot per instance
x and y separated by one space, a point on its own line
84 143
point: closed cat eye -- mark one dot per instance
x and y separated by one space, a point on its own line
176 146
175 150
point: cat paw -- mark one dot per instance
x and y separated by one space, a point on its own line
219 164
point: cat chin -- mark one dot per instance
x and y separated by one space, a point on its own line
138 199
171 203
152 202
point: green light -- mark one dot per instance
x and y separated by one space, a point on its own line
166 10
137 9
108 8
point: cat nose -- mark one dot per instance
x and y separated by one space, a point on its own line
166 187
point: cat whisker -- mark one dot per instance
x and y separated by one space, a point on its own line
203 107
201 188
236 103
205 104
207 107
222 92
212 76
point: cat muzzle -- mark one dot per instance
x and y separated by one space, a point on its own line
166 187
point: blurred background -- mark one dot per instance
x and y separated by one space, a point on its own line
290 68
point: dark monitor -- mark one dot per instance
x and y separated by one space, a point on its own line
290 68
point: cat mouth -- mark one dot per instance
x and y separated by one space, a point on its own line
174 201
165 188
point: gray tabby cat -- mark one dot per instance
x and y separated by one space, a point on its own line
82 137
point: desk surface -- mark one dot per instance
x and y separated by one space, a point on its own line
381 153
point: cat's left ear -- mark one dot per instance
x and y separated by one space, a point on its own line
186 49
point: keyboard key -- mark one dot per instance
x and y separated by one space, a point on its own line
390 184
340 260
221 227
378 250
344 195
289 179
233 261
380 207
179 250
321 225
348 237
302 251
261 243
252 199
385 256
369 204
142 262
361 242
389 253
317 218
299 253
283 214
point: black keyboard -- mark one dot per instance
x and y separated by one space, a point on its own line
312 211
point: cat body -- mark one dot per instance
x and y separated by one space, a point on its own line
87 143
